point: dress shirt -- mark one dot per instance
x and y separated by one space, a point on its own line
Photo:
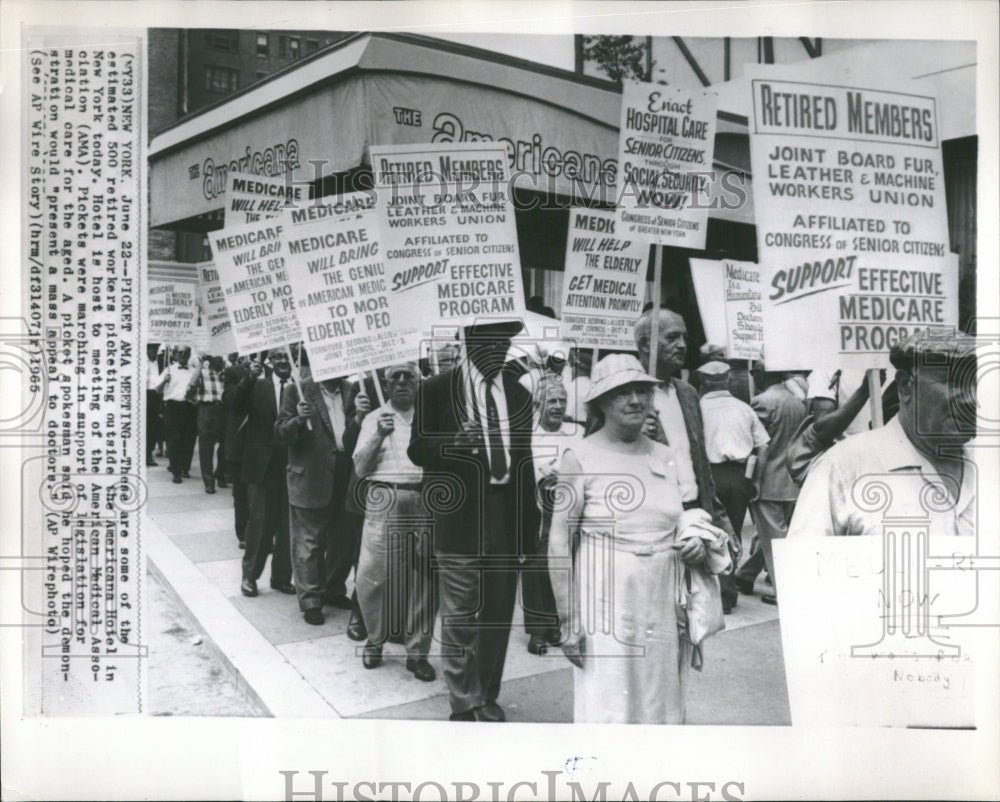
175 381
668 408
392 464
732 428
479 385
334 401
828 503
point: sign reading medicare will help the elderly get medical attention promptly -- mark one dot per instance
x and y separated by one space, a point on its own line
852 228
447 218
347 312
215 317
604 283
250 197
254 279
737 288
666 142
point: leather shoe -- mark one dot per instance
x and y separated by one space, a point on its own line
151 463
222 483
177 479
553 637
537 645
338 600
356 629
248 587
465 715
314 616
243 545
727 609
372 656
744 586
421 669
772 600
210 490
284 587
490 711
186 474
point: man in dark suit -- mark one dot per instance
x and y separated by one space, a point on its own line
676 421
233 453
257 397
472 436
319 465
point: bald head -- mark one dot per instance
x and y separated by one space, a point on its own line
671 338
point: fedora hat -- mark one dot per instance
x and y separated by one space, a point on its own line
614 371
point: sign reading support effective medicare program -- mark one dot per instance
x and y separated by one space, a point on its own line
448 225
347 313
254 280
604 283
852 228
665 147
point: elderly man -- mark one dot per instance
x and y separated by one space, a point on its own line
211 418
919 454
472 436
259 397
394 578
178 414
320 431
676 421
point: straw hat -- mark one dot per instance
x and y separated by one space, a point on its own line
614 371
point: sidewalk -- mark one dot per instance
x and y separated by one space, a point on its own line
287 667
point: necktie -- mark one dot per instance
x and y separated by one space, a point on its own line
281 391
498 460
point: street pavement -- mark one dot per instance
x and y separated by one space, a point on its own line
286 667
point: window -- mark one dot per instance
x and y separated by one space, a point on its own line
282 47
293 47
311 46
225 41
221 79
263 44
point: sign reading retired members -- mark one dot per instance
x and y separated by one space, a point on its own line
250 198
665 147
344 304
172 311
448 226
254 280
738 288
604 283
852 228
215 317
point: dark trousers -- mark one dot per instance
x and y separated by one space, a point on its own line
180 432
730 487
772 519
241 508
211 425
267 527
537 599
343 544
153 425
477 595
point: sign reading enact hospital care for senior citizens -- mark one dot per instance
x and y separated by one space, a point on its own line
254 280
852 226
447 217
604 283
666 141
344 304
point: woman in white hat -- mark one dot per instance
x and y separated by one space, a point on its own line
616 527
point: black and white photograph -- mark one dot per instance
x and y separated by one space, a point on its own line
374 372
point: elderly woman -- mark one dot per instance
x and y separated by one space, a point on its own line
618 559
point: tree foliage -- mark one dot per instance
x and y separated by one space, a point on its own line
621 57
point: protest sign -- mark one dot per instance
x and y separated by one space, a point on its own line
251 267
450 238
852 226
172 313
604 283
346 311
215 319
250 197
735 287
665 147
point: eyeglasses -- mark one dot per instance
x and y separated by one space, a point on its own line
401 378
